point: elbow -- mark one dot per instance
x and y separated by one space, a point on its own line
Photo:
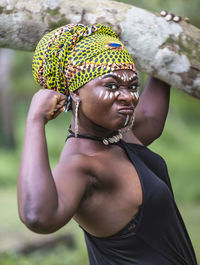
155 130
37 224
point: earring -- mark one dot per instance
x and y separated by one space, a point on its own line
130 126
76 118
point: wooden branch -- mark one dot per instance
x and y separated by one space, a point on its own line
167 50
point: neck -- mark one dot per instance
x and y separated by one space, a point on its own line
86 127
111 139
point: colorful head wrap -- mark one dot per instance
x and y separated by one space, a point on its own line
68 57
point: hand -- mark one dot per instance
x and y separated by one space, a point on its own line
46 105
172 17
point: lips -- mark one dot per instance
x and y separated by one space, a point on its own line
126 111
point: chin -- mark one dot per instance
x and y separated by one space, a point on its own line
119 126
113 126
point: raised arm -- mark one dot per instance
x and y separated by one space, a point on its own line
151 111
46 201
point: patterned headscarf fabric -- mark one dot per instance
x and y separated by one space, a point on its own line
68 57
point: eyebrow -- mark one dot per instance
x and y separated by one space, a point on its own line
135 78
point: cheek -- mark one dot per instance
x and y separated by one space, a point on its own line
98 107
135 96
96 104
105 95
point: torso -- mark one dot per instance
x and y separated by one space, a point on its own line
157 234
115 193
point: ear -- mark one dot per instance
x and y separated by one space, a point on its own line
75 96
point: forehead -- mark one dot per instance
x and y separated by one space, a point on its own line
122 75
122 72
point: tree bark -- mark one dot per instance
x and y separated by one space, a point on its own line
165 49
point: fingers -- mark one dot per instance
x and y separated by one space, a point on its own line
48 104
60 100
56 100
57 112
172 17
60 105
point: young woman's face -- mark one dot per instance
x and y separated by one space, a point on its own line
109 101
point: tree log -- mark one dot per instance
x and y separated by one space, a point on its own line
165 49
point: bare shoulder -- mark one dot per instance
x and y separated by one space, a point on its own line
72 178
73 165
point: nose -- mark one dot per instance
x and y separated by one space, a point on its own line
125 96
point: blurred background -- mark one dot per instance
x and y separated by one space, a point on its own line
179 145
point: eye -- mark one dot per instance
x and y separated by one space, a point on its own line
112 86
133 87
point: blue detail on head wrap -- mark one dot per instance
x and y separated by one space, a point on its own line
114 45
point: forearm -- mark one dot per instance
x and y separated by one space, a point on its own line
37 195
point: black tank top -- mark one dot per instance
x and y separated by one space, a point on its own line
157 235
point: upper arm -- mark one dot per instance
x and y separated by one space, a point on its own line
71 182
147 129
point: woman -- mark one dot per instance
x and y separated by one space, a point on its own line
107 179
